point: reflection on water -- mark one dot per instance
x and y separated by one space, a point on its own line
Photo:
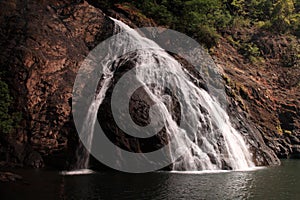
231 185
271 183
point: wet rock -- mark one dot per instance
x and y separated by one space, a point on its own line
295 151
34 159
225 166
9 177
139 105
294 139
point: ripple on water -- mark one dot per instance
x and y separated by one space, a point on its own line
77 172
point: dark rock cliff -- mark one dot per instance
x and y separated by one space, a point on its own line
42 45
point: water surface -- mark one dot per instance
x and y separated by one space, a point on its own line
281 182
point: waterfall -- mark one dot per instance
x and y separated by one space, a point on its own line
214 145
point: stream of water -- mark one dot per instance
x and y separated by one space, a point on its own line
212 145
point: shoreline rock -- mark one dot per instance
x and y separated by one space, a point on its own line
9 177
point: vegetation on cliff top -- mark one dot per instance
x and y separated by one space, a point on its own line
206 19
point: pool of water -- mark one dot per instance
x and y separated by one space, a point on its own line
282 182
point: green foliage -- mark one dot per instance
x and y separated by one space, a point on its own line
260 10
8 120
291 57
198 18
238 7
208 35
159 12
279 16
295 24
282 15
250 50
240 21
206 19
247 48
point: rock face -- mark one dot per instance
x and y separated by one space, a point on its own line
42 46
267 91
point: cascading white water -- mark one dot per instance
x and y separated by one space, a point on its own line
202 151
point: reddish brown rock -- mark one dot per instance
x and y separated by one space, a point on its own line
42 46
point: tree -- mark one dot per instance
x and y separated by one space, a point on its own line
281 15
